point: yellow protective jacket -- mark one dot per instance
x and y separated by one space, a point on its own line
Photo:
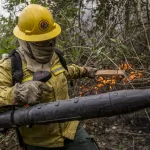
50 135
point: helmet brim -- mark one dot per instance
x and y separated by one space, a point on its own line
37 37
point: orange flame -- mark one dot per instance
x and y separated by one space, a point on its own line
110 81
125 66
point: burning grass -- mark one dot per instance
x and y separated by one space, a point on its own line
107 83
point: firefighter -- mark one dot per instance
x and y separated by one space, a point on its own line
37 32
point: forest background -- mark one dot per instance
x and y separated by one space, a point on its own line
107 34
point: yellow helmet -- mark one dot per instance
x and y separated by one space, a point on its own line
36 24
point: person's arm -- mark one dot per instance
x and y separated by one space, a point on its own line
75 71
6 87
21 93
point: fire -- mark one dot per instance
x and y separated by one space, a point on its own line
110 81
132 76
125 66
100 82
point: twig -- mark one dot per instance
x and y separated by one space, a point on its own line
132 133
147 115
136 54
117 67
133 143
109 27
145 32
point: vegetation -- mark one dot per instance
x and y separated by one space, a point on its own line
107 34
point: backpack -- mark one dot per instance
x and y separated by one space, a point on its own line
16 65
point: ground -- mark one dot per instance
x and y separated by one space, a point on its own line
125 132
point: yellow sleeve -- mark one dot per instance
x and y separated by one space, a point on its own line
75 71
6 87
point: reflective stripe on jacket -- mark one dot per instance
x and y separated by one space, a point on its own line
50 135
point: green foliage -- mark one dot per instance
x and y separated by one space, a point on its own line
115 32
7 44
7 24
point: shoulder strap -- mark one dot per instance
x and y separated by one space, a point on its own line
16 65
62 60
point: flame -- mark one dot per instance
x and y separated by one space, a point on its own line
132 76
125 66
103 81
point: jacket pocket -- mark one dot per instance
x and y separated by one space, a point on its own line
61 83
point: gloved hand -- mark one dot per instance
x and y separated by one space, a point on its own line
29 92
90 72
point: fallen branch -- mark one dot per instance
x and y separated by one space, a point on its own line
109 72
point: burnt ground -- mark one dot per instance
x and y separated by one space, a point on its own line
125 132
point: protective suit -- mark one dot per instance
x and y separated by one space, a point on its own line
37 37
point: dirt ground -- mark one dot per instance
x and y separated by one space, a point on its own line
125 132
